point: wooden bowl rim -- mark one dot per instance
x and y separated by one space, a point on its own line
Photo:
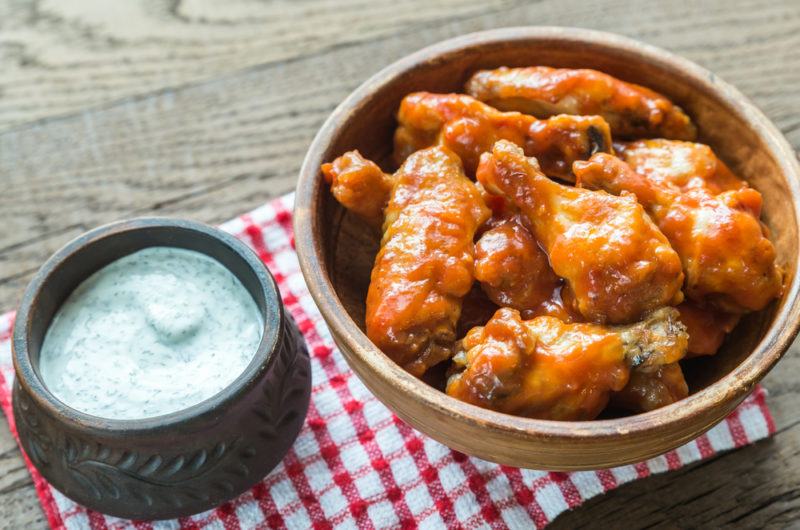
734 386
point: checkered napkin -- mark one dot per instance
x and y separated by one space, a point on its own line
356 465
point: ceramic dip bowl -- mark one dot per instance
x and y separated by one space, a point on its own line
179 463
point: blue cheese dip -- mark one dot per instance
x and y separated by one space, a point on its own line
154 332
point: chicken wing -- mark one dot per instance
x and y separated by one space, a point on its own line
470 128
727 256
513 270
359 185
425 265
632 111
614 259
685 164
545 368
651 389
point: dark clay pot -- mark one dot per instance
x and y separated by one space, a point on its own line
179 463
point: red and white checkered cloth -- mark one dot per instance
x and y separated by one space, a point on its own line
356 465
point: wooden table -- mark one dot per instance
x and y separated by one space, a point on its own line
204 109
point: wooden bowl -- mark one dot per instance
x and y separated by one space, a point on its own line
336 250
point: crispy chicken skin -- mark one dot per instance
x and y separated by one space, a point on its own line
513 270
632 111
470 128
649 390
727 257
359 185
545 368
614 259
425 264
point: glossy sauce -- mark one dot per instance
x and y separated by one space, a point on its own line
613 258
726 254
513 271
631 110
572 297
470 128
425 265
154 332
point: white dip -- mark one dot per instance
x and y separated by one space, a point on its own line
154 332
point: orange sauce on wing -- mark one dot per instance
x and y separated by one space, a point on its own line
540 368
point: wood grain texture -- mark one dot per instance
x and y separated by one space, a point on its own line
204 109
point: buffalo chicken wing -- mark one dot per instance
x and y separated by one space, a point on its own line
470 128
727 257
359 185
614 259
632 111
545 368
425 264
686 165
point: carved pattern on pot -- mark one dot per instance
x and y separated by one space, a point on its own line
113 473
37 443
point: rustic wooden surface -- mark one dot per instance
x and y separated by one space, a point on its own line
204 109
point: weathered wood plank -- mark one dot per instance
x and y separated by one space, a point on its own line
59 56
204 110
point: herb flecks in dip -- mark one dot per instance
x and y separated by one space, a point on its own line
154 332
